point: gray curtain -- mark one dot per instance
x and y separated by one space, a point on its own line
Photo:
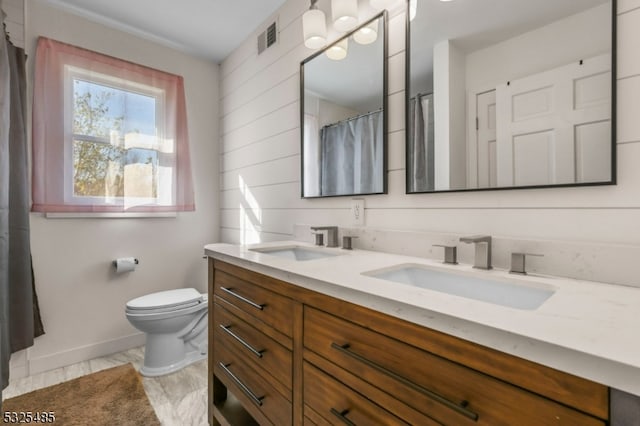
5 117
352 156
420 167
19 314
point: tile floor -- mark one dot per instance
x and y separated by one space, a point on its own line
180 399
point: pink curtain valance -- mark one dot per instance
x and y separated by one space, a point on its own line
50 187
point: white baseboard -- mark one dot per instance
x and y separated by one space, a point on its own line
18 372
39 364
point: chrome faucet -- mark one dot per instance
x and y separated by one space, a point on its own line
332 234
482 259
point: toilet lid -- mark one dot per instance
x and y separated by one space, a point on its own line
166 299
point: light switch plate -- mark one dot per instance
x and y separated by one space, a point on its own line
357 211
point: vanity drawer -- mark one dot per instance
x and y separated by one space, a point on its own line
335 403
444 390
255 392
265 305
253 346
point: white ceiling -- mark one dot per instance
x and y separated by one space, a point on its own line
211 29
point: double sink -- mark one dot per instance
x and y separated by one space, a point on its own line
510 292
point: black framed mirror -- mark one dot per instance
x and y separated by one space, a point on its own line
505 94
343 115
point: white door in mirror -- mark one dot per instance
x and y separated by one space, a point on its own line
554 127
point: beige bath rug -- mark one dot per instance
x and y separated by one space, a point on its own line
109 397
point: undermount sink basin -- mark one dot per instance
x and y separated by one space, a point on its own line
511 293
296 252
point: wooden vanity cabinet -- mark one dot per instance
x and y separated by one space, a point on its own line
250 351
329 362
328 401
445 391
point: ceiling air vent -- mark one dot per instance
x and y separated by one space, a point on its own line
267 38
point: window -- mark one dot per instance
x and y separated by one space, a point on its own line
108 135
112 146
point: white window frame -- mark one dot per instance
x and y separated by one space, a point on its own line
72 73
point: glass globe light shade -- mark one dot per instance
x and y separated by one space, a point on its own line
345 14
368 34
338 51
314 28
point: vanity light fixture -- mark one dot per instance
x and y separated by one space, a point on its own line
381 4
367 34
314 27
338 51
345 14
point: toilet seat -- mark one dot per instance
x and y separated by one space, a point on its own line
165 301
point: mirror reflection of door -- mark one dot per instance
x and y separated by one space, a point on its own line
554 126
522 93
486 139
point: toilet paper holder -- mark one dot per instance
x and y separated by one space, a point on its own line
125 264
115 262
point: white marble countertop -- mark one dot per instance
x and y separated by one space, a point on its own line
586 328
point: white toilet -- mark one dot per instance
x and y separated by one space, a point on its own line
175 323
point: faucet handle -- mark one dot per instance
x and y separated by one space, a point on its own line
450 253
319 238
332 234
347 241
518 262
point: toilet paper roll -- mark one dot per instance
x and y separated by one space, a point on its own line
125 264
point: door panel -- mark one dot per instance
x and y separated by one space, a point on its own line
593 152
486 137
567 111
533 158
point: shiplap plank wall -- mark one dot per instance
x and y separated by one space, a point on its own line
15 20
260 155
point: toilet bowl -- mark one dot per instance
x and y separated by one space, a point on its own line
175 324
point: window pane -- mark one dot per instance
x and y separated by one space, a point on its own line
103 170
97 169
141 173
112 128
105 112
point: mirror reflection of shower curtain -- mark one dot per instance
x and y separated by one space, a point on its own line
421 161
352 156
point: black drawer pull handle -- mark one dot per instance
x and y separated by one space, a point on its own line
227 329
460 408
256 399
244 299
342 416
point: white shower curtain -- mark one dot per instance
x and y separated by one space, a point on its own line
352 156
